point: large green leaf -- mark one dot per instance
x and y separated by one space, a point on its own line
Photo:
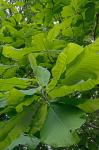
7 84
60 125
89 106
16 54
61 91
67 56
83 68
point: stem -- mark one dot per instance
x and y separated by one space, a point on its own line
96 26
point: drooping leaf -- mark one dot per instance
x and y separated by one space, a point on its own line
65 90
89 106
83 68
60 125
7 84
15 54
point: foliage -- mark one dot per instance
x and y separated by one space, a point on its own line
49 51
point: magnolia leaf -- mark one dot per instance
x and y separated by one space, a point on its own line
10 72
14 97
3 68
65 90
83 68
89 106
52 34
39 42
14 127
67 11
30 142
19 3
26 102
31 91
42 75
16 54
32 60
60 125
3 102
18 17
39 119
7 84
67 56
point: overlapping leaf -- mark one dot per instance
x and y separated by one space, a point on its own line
59 128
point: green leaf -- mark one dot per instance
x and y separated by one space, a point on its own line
3 68
15 54
18 3
18 17
39 119
14 127
32 60
42 75
89 106
30 142
61 123
3 101
83 68
67 11
10 71
90 11
26 102
67 56
14 97
7 84
31 91
61 91
39 42
52 34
